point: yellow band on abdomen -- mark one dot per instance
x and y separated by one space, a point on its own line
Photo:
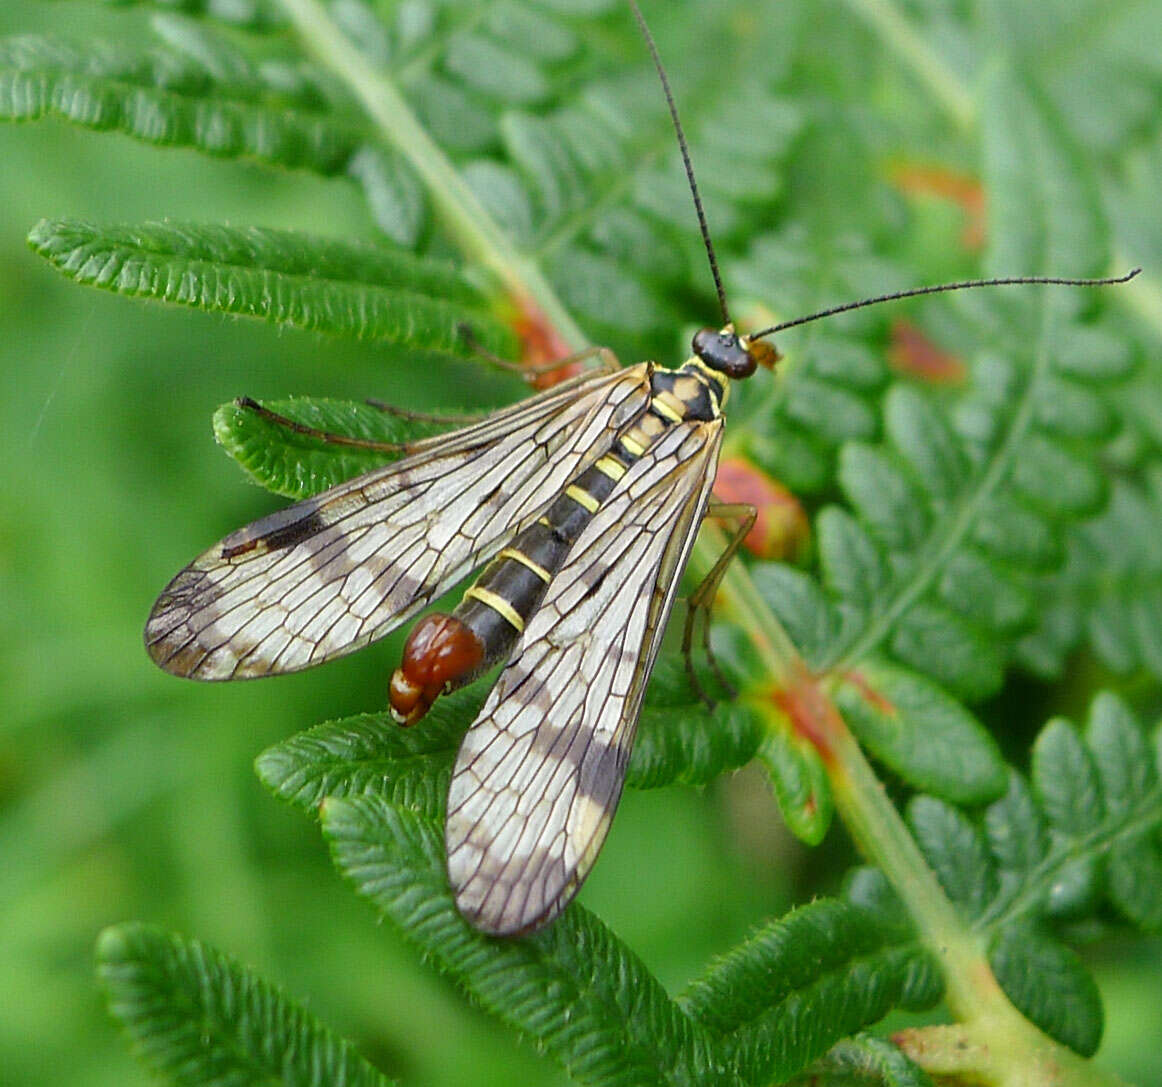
583 498
524 560
499 605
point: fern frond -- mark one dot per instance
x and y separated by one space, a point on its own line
300 465
196 1016
928 579
596 189
830 391
370 755
254 15
1108 595
677 742
195 90
192 91
1092 60
585 998
763 1012
593 189
796 986
310 283
864 1061
1083 832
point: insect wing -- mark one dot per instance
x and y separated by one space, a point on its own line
540 772
332 573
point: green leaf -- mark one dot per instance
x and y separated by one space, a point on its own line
174 98
292 279
869 889
587 1000
1065 779
499 189
532 30
1029 162
957 850
495 70
371 755
934 640
1016 828
1110 591
393 192
829 410
1125 766
1011 532
196 1016
1052 478
1095 353
299 465
925 736
866 1056
255 15
603 291
851 564
1134 871
802 607
968 499
1087 831
985 592
1050 986
952 506
764 1011
922 436
803 982
799 780
680 741
885 497
1070 410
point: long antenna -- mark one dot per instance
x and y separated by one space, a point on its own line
641 22
962 285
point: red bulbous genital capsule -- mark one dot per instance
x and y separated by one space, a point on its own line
440 654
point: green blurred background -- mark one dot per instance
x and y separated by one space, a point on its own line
125 793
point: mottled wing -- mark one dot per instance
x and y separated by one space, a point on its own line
540 772
336 571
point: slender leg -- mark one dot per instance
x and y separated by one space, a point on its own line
608 360
702 598
321 435
607 364
424 416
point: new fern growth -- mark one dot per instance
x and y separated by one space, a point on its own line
959 532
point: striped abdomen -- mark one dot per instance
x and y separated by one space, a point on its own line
444 652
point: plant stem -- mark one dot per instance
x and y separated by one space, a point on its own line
1012 1051
898 34
469 224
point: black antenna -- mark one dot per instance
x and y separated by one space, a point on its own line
641 22
962 285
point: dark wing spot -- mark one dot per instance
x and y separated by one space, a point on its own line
279 530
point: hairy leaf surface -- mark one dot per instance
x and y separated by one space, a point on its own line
196 1016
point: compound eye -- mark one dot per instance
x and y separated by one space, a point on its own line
724 351
704 343
742 362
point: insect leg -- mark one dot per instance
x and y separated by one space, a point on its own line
321 435
426 417
608 364
608 361
702 598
